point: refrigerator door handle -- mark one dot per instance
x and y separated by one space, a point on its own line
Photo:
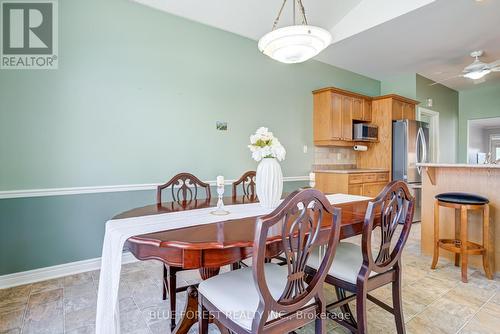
424 147
419 141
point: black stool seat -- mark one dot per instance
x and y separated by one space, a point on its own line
462 198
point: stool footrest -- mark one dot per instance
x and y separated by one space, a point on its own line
453 245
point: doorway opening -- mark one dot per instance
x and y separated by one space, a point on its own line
483 140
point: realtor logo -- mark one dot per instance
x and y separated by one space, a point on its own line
29 35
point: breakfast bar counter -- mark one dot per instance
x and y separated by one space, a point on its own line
483 180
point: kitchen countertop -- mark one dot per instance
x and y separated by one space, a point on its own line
351 171
437 165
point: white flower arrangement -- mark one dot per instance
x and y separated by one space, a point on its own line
264 145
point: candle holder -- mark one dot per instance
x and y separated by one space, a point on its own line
220 211
312 180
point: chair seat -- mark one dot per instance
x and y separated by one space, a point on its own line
346 263
235 294
462 198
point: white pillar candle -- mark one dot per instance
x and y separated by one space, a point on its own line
220 180
312 176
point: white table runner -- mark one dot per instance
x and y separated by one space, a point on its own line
119 230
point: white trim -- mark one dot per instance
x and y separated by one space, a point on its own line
494 137
74 190
468 142
42 274
105 189
434 115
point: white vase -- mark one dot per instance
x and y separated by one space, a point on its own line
269 182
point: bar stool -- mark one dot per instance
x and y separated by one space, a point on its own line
460 245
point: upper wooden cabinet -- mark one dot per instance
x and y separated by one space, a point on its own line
326 123
403 108
335 110
346 121
356 107
367 111
361 109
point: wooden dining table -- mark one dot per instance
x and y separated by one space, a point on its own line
209 247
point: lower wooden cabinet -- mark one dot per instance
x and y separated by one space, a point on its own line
364 184
356 189
373 189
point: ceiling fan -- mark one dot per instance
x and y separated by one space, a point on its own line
477 70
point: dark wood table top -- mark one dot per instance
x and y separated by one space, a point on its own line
224 234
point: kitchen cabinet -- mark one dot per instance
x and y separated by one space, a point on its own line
373 189
335 111
361 110
336 124
356 108
326 122
367 111
409 111
402 110
355 189
346 121
364 184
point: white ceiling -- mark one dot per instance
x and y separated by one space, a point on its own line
434 41
377 38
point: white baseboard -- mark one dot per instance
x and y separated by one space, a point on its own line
42 274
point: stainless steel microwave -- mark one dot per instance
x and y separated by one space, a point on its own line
365 132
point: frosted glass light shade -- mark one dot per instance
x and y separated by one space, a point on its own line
295 44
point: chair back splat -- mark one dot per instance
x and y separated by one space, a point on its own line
247 182
395 206
183 187
304 221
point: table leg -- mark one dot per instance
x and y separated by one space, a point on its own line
190 314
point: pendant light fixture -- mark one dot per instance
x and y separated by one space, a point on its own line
296 43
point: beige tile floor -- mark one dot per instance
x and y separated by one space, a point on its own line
434 301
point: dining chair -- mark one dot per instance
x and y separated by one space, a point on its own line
184 188
247 182
361 269
267 297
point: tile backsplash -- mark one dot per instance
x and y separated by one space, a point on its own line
334 155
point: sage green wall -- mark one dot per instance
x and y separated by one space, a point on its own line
135 100
401 84
444 101
137 95
480 102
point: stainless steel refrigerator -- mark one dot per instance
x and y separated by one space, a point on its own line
410 145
